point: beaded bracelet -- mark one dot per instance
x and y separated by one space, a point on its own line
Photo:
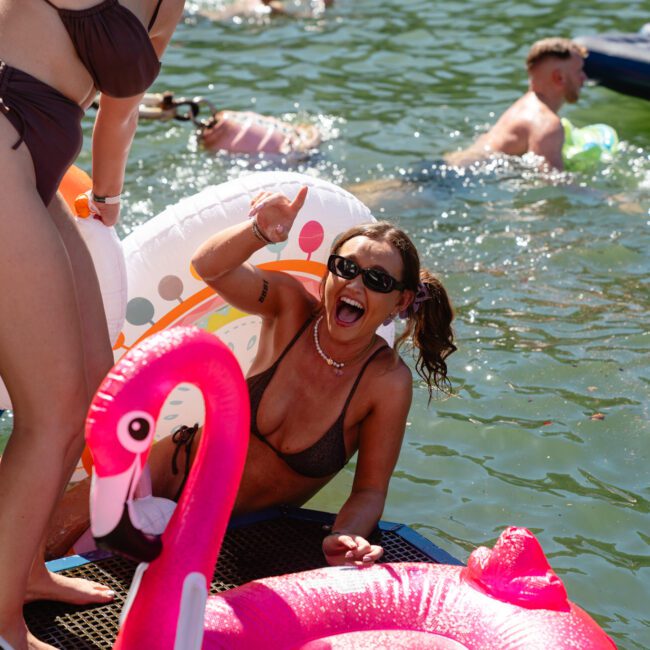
258 233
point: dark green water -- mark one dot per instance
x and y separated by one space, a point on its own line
550 277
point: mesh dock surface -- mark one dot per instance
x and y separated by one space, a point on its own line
271 543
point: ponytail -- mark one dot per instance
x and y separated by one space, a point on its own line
428 324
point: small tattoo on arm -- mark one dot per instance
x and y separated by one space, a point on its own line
265 290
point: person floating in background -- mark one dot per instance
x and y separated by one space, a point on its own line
54 344
309 348
233 132
243 8
246 132
299 7
532 123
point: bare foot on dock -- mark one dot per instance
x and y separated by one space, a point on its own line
46 585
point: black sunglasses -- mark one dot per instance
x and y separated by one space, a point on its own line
374 279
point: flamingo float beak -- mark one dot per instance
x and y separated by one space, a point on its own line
115 523
114 520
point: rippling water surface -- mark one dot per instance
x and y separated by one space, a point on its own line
550 276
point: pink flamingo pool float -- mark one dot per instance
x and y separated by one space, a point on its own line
505 599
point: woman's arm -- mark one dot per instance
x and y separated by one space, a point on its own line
117 120
221 261
380 440
113 132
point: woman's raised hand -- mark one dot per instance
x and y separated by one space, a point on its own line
275 213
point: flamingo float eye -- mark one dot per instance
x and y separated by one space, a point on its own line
135 430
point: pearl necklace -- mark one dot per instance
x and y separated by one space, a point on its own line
337 365
328 360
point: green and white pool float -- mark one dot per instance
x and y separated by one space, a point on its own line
586 147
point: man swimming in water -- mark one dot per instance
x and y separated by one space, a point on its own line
532 123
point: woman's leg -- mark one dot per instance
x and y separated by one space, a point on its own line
42 365
98 359
98 354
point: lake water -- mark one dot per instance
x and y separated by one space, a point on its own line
550 276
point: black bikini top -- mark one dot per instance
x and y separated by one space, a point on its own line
327 455
114 46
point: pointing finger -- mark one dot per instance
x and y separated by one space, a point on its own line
299 201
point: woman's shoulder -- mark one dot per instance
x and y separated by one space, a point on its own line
390 371
386 389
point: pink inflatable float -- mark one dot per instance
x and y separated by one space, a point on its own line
507 598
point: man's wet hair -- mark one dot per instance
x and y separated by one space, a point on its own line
558 48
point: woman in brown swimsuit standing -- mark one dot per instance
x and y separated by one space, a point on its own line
54 346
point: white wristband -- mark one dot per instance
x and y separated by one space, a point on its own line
107 200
